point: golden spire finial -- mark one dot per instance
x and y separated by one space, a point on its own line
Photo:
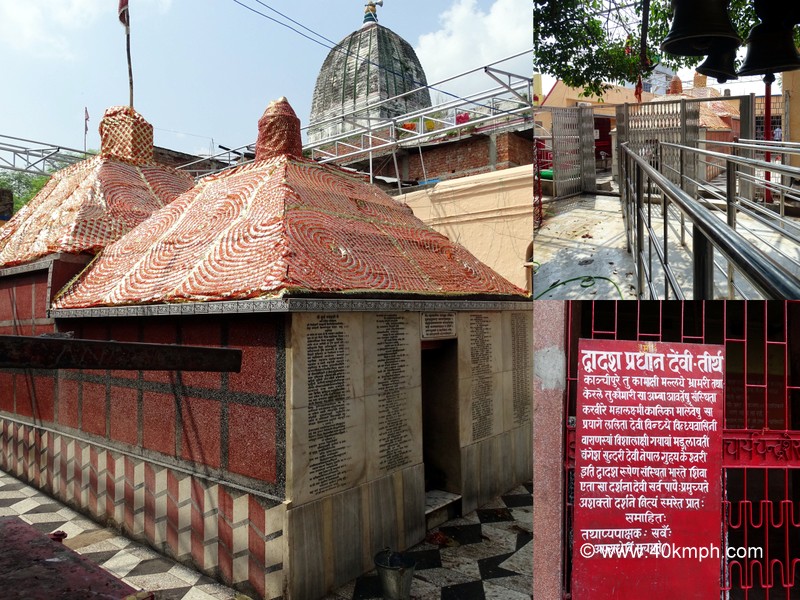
371 12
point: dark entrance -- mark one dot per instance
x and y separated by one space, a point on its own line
440 418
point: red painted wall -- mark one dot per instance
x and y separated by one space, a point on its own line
227 421
23 311
233 423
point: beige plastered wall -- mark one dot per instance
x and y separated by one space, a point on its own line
491 215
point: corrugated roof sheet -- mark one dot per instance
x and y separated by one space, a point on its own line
283 224
90 204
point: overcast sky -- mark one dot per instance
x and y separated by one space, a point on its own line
205 70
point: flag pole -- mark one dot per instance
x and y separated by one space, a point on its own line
85 126
130 66
125 19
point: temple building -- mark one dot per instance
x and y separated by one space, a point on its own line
464 170
381 365
370 65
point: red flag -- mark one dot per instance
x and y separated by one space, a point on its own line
86 119
124 16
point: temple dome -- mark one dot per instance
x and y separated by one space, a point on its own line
369 65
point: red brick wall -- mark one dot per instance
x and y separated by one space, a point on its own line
469 156
451 160
513 151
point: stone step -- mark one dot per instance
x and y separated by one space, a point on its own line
440 507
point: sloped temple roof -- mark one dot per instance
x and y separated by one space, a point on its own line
284 224
90 204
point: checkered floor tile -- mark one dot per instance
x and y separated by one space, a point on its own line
137 565
486 555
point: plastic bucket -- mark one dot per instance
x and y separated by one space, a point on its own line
396 573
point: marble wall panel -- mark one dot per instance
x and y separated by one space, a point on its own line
470 477
518 366
394 438
391 351
392 380
480 342
438 326
480 368
521 450
355 409
326 351
306 550
326 447
333 539
413 505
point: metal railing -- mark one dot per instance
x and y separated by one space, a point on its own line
740 248
39 158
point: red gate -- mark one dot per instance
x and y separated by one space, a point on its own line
761 437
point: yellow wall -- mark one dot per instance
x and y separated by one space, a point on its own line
491 215
791 88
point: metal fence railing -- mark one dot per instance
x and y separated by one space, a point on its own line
731 235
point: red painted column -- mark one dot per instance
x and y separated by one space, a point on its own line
768 79
549 432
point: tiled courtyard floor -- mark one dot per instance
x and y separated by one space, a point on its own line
137 565
486 554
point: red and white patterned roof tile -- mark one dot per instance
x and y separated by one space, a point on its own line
282 224
88 205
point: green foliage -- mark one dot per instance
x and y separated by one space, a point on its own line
574 42
24 186
570 43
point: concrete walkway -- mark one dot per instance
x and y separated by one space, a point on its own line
582 244
486 555
581 251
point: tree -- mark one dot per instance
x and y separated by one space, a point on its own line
24 186
591 43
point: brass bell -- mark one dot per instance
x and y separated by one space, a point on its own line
699 26
720 64
770 49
